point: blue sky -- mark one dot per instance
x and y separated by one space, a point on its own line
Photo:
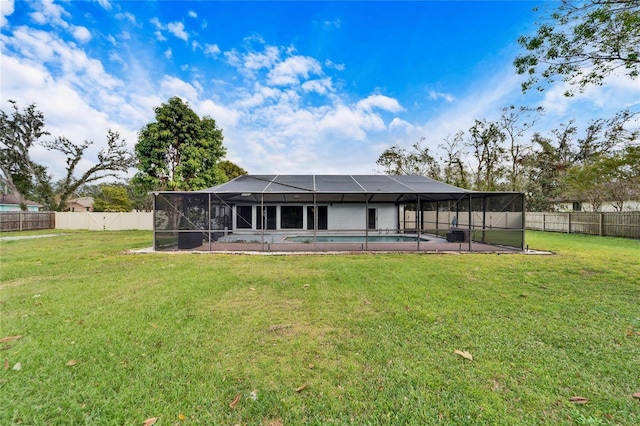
297 87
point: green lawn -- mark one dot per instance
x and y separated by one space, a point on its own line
362 339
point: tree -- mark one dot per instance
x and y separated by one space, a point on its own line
22 131
514 128
583 43
418 161
114 159
454 171
486 141
588 182
179 151
547 166
231 170
112 198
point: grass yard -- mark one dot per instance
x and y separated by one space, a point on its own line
111 339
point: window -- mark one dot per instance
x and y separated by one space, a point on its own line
243 217
371 219
291 217
577 207
322 217
269 217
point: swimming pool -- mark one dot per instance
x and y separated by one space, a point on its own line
355 239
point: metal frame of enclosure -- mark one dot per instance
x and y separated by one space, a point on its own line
294 213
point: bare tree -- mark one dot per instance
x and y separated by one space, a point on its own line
515 123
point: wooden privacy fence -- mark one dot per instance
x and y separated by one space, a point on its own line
610 224
26 221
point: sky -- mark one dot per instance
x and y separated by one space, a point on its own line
297 87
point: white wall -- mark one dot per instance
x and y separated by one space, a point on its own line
354 216
628 206
104 221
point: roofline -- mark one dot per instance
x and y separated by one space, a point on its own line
454 190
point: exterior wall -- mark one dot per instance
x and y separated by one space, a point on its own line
339 217
104 221
629 206
505 220
347 216
75 207
16 208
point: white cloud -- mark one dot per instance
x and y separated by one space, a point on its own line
398 124
81 34
211 50
126 16
168 53
260 94
619 90
47 12
225 117
381 102
105 4
173 86
330 64
321 86
254 61
350 122
156 23
6 9
177 29
192 14
434 96
159 28
292 70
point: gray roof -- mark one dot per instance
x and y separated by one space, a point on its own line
335 188
10 199
335 184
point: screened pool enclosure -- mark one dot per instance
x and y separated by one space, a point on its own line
280 213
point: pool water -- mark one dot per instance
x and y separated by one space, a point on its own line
355 239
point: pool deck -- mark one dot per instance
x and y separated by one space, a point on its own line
277 243
304 248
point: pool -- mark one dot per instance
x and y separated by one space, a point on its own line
355 239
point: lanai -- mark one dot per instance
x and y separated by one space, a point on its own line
264 211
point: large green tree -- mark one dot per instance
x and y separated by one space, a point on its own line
179 151
231 170
113 198
582 43
22 130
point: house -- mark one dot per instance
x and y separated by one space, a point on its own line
606 206
83 204
10 203
272 211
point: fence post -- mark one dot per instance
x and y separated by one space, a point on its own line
600 224
569 223
544 216
21 225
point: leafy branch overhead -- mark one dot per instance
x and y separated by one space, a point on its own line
583 43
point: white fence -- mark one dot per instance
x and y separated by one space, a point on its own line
104 221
